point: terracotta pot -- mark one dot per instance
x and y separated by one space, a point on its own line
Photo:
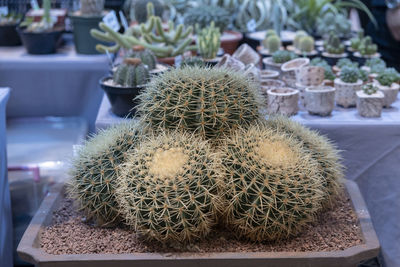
310 75
229 62
320 100
247 55
230 41
346 93
390 93
370 106
283 101
167 60
269 64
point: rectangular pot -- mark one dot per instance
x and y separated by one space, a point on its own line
29 247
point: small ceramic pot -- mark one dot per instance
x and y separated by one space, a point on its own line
310 75
267 84
332 59
302 93
390 93
283 101
289 69
269 74
320 100
370 106
230 63
269 64
247 55
253 72
346 93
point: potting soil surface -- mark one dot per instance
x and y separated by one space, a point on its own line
335 229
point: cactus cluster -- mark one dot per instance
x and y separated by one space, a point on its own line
356 41
283 56
209 41
389 76
146 56
349 74
329 75
369 89
45 24
96 170
131 73
272 42
203 15
376 65
333 45
346 62
208 101
366 47
169 188
92 7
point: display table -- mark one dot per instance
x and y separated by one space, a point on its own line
6 246
62 84
371 151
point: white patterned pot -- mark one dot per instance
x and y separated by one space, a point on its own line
253 72
346 93
271 65
247 55
231 63
267 84
370 106
289 68
283 101
310 75
320 100
269 74
390 93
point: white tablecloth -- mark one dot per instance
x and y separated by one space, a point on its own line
62 84
6 237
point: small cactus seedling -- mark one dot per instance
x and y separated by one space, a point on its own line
370 89
169 188
131 73
92 7
272 43
273 186
306 44
209 41
320 148
349 74
283 56
329 75
204 100
96 169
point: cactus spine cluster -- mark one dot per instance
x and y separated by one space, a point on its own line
169 188
208 101
92 7
272 43
209 41
148 58
273 186
131 73
96 170
297 38
349 74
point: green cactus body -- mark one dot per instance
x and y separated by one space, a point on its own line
282 56
169 188
273 186
297 38
148 58
209 42
270 32
346 62
306 44
389 76
356 41
131 73
370 89
272 43
95 171
349 74
92 7
367 47
333 45
203 16
204 100
320 149
139 6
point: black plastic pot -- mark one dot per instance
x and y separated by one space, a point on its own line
332 59
9 35
121 98
40 43
84 42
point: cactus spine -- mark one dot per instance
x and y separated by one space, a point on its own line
272 185
92 7
208 101
96 170
209 41
169 188
131 73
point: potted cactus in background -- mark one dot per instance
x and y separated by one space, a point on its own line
277 59
329 76
296 41
356 41
87 18
337 23
40 37
136 10
366 50
8 33
370 101
282 101
208 43
342 63
270 44
347 85
306 47
373 67
333 49
122 88
388 83
320 100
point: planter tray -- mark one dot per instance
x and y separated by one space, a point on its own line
30 251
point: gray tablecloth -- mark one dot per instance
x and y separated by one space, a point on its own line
6 246
63 84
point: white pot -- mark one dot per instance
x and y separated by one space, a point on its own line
283 101
346 93
271 65
231 63
253 72
370 106
289 68
320 100
247 55
390 93
269 74
310 75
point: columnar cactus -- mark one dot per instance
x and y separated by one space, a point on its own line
306 44
272 43
131 73
96 169
272 185
92 7
321 150
209 41
208 101
169 188
349 74
148 58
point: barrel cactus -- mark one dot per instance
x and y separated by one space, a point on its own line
306 44
272 43
131 73
95 171
273 186
297 38
169 188
148 58
92 7
204 100
321 149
